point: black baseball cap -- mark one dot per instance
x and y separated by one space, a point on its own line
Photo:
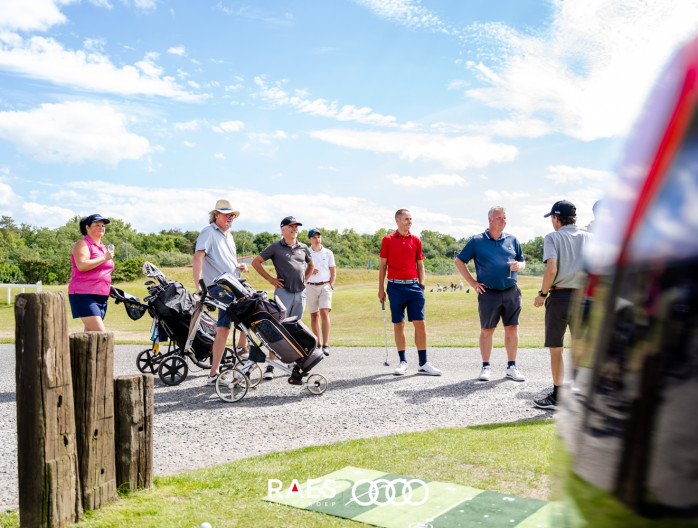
562 208
314 231
96 218
289 220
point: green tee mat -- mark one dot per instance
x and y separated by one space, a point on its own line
363 495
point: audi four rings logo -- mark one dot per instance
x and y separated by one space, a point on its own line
391 495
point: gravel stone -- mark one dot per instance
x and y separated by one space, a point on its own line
194 429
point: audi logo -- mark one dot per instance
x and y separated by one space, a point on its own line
391 495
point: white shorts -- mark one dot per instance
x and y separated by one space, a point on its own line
318 296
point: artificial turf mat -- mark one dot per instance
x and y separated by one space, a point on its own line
432 504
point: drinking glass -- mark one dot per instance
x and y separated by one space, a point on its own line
110 248
510 262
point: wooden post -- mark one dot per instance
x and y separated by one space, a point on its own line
133 420
92 362
49 490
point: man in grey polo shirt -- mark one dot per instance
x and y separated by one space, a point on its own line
562 254
215 253
293 264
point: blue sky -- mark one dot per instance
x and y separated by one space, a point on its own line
338 112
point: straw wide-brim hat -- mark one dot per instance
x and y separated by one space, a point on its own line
223 206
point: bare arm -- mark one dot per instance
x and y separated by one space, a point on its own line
197 266
465 273
83 262
257 265
420 272
333 275
381 279
548 278
309 269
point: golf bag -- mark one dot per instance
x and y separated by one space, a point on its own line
174 307
289 339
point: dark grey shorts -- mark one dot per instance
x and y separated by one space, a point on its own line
494 305
557 317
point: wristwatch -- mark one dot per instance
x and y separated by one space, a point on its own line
540 292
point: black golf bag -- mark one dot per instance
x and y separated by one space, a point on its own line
174 307
289 339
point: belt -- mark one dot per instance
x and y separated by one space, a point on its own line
555 288
317 283
398 281
495 290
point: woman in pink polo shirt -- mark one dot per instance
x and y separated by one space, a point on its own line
90 283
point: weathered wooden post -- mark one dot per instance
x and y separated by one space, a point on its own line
133 417
49 490
92 362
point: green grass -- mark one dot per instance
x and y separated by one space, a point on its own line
510 458
357 318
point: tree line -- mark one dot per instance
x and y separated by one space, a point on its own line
30 254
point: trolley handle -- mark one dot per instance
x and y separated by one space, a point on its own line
204 290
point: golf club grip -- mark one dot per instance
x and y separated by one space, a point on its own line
383 304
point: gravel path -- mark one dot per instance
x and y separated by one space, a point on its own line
194 429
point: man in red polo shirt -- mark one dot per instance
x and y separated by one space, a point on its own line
401 255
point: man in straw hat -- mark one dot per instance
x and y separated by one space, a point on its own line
215 254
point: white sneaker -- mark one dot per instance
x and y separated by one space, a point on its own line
401 369
269 373
513 373
211 380
429 370
485 373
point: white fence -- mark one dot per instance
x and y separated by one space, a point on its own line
22 286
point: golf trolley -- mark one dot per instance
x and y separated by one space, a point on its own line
179 319
265 325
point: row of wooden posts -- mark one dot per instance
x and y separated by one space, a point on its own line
81 433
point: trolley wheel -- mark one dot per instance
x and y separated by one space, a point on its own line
254 375
173 370
147 361
316 383
231 385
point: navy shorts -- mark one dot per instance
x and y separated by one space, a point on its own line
223 319
406 296
494 305
557 317
88 305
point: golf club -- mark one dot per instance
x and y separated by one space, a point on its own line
385 332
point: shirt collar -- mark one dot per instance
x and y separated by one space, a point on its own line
397 234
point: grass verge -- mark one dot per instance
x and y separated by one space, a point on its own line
510 458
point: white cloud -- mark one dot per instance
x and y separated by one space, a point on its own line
566 174
299 101
432 180
44 58
454 153
409 13
228 126
177 50
73 132
590 72
514 128
31 15
265 138
219 155
186 125
189 144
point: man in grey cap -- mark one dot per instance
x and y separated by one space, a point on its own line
215 253
562 254
293 264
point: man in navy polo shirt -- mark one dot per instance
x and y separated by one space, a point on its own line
497 257
401 256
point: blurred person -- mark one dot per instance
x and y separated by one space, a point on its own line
90 282
562 254
293 264
497 255
401 257
319 289
215 253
